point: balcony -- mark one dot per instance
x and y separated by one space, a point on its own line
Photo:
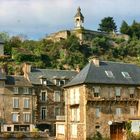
60 118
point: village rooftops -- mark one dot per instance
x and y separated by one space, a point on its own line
19 81
107 72
50 75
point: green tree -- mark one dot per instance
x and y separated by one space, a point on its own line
135 29
125 29
107 25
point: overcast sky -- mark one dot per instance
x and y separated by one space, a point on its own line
36 18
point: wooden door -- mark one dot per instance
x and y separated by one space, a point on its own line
116 131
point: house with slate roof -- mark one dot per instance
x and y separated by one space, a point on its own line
18 104
102 97
48 85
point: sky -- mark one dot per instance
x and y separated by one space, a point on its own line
38 18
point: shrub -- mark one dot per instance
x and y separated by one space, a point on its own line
19 135
7 135
35 135
98 136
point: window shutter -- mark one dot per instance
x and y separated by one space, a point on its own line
78 114
72 114
77 95
72 96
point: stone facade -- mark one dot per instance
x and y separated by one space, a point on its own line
101 99
18 106
47 84
93 120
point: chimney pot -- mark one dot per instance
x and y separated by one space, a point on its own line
95 60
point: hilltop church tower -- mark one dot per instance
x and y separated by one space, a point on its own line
79 19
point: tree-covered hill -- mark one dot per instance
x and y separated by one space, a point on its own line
70 53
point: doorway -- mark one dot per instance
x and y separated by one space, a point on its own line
116 131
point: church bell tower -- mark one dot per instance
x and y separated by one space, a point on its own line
79 19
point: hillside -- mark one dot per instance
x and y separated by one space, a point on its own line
69 53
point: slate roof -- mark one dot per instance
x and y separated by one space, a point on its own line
18 81
50 74
92 74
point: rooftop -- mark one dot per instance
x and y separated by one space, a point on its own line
118 73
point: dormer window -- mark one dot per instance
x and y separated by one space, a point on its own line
61 82
44 81
109 74
126 75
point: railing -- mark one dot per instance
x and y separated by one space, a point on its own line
112 99
60 118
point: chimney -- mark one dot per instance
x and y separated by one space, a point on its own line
78 69
26 69
95 60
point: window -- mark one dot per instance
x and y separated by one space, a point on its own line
109 74
75 114
57 96
26 90
97 126
15 103
74 96
131 92
97 112
74 130
96 91
118 111
43 96
132 111
26 117
126 75
57 111
43 113
56 81
26 102
118 92
15 89
61 82
61 129
15 117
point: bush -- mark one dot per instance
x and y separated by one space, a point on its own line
7 135
19 135
98 136
35 135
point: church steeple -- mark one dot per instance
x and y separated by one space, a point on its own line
79 18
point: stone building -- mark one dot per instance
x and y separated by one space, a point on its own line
79 30
102 97
18 104
48 84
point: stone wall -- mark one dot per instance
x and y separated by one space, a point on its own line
107 103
